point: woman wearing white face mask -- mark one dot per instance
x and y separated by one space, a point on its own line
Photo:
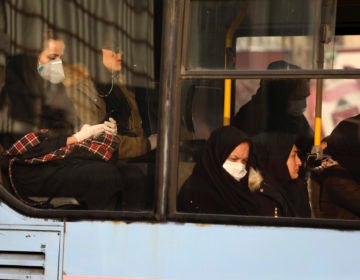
50 64
218 183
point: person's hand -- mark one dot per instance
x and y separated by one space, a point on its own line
153 141
110 126
88 131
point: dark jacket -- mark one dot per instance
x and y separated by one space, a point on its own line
41 164
121 104
339 194
340 181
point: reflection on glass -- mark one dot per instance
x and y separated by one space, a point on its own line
347 52
78 90
341 104
251 34
256 52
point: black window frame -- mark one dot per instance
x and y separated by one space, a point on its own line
179 38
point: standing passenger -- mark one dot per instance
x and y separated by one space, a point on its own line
218 183
278 105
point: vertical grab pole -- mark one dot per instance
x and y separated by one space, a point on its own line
316 150
228 47
324 38
227 101
318 112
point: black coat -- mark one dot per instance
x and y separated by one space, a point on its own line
278 194
267 110
96 184
339 194
210 189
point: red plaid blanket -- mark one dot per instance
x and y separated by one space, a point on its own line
101 147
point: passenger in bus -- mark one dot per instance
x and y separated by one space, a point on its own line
278 105
122 105
33 94
275 180
339 174
44 164
218 183
41 92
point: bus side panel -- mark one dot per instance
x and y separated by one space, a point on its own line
30 248
191 251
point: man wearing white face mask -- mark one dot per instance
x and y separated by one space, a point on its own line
218 183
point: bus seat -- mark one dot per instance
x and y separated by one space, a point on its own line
204 110
314 196
184 172
203 113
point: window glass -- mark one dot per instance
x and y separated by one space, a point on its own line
251 34
347 52
283 106
85 72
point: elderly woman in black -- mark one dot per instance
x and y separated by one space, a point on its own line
218 183
276 182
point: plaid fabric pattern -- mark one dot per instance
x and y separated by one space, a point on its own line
103 147
24 144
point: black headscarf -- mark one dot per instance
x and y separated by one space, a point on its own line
272 151
267 110
232 196
343 145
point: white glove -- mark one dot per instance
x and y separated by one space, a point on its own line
88 131
110 126
153 141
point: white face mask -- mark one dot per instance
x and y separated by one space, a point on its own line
236 169
52 71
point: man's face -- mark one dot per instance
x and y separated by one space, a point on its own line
53 50
112 60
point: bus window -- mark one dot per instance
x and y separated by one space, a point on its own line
79 91
275 45
263 108
347 52
253 33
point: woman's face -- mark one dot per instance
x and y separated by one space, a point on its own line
240 153
53 50
293 163
112 60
